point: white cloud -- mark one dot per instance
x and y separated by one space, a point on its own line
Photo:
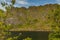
58 1
23 2
2 8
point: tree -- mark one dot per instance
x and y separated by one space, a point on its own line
55 26
13 2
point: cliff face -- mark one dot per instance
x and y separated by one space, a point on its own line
34 18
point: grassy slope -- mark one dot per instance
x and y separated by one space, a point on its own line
34 18
40 18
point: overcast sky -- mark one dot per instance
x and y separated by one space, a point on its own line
27 3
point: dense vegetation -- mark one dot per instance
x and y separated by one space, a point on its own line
34 18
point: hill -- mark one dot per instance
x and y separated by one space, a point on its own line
34 18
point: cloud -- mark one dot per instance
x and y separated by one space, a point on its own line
2 8
23 2
58 1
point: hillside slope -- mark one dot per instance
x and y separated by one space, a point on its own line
34 18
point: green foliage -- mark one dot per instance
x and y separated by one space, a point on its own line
27 38
13 2
55 35
41 17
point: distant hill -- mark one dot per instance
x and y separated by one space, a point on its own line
34 18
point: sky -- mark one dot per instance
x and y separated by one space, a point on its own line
27 3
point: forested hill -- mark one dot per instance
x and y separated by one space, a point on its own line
34 18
